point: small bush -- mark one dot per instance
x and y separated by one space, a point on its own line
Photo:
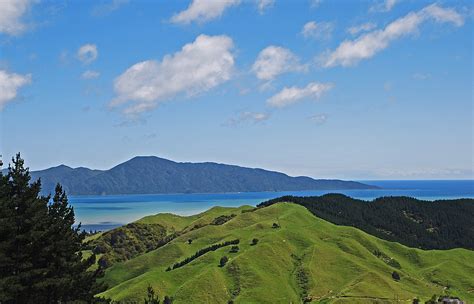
234 249
254 242
223 261
395 276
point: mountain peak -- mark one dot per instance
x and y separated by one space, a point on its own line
153 175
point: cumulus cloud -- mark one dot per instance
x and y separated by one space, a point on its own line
291 95
319 119
275 60
11 13
203 10
365 27
198 67
384 6
248 117
320 30
89 74
264 4
350 52
87 53
10 83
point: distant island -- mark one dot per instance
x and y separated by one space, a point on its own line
154 175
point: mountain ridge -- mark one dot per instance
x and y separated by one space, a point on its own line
155 175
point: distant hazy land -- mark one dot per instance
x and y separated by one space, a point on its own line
153 175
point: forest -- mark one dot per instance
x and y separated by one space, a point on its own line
440 224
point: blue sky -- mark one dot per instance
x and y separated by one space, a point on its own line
329 89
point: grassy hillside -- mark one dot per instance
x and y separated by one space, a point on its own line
306 258
151 232
439 224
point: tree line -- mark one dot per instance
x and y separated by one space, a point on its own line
440 224
201 252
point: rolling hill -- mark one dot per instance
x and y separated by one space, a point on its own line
439 224
298 257
153 175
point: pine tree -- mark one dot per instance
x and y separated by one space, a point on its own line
40 250
22 220
151 297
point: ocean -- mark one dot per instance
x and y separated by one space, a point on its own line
109 211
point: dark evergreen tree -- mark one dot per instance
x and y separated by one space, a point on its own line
234 249
151 297
254 242
167 300
395 276
22 216
223 261
40 250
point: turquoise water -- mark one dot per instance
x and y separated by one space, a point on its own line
105 212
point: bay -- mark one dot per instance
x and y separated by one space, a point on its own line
109 211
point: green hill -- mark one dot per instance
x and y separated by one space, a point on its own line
439 224
305 258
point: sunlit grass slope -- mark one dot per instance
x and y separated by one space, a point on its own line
305 258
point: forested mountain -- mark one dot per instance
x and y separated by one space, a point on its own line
148 175
441 224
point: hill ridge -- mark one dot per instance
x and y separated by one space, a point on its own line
155 175
304 258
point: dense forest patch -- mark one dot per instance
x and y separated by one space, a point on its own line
441 224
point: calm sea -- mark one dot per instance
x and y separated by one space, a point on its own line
105 212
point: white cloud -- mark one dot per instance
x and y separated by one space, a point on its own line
203 10
441 14
11 13
275 60
89 74
351 52
384 6
264 4
198 67
107 8
365 27
248 117
291 95
10 83
320 30
319 119
87 53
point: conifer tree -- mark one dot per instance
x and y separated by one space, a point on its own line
40 250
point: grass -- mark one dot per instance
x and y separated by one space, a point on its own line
305 257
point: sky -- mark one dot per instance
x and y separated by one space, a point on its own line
329 89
